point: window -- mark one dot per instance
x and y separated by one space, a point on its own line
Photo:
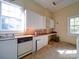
74 25
12 17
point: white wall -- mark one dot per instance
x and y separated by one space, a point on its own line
61 22
33 6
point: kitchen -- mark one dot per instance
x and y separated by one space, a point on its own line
25 33
23 42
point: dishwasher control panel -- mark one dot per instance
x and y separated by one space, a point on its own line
24 39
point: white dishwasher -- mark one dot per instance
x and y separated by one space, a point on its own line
8 46
24 46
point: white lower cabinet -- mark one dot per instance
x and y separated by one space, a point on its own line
40 42
8 49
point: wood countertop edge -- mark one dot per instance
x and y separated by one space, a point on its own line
45 34
21 36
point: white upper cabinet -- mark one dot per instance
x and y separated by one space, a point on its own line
52 25
49 23
35 20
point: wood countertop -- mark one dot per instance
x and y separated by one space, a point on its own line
20 36
46 34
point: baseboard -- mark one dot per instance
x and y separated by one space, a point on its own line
69 43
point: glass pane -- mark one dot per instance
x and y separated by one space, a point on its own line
13 18
4 6
76 23
10 10
72 30
10 23
77 19
76 32
76 27
72 21
72 27
5 13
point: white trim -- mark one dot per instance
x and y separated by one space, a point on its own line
69 26
11 2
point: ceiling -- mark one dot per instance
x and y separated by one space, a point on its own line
59 4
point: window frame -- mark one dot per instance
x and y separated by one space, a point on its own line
24 11
72 34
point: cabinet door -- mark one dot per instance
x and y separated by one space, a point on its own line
30 19
35 20
45 40
8 49
37 43
52 23
41 42
49 23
